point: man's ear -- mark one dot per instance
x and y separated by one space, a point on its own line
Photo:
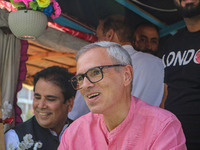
109 35
128 75
70 104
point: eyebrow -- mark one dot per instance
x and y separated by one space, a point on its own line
36 94
51 96
153 38
47 96
144 36
88 70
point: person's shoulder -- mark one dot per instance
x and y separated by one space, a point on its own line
140 56
85 120
83 125
11 138
24 124
148 61
147 56
10 132
154 112
174 38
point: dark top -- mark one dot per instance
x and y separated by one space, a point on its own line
182 75
49 141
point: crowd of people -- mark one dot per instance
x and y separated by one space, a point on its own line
127 97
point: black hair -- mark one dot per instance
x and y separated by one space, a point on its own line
60 77
147 24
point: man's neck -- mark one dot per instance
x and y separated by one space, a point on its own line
125 43
59 127
116 40
114 119
193 23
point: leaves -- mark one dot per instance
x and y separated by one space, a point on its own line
49 7
33 5
18 5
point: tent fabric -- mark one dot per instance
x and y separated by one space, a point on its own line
10 55
21 78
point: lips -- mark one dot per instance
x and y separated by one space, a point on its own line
93 95
44 115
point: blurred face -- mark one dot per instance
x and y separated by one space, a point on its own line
104 96
49 107
188 8
146 39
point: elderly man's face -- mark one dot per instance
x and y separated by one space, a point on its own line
188 8
49 107
146 39
104 96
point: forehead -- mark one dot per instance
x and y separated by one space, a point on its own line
148 31
92 58
46 86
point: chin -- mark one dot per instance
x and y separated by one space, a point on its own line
44 125
95 111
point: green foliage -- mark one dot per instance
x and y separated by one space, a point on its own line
19 5
33 5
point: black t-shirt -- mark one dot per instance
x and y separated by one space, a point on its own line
181 57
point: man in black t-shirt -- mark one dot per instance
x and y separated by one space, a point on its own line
182 72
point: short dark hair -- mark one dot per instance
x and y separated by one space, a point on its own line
60 77
147 24
121 26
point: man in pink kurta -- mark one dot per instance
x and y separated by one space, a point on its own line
145 128
117 121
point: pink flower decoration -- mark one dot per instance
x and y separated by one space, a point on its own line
17 1
56 8
53 14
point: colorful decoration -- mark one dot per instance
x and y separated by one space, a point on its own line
79 34
8 120
49 7
85 36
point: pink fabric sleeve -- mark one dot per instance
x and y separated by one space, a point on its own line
171 137
63 143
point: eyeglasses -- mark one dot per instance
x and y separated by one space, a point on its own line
93 75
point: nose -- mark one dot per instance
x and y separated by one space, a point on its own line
87 83
148 45
42 103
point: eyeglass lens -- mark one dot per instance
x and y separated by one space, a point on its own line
93 75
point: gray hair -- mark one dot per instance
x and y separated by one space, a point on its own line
117 53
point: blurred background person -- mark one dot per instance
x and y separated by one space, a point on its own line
146 38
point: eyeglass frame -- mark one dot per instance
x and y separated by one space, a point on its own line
100 67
